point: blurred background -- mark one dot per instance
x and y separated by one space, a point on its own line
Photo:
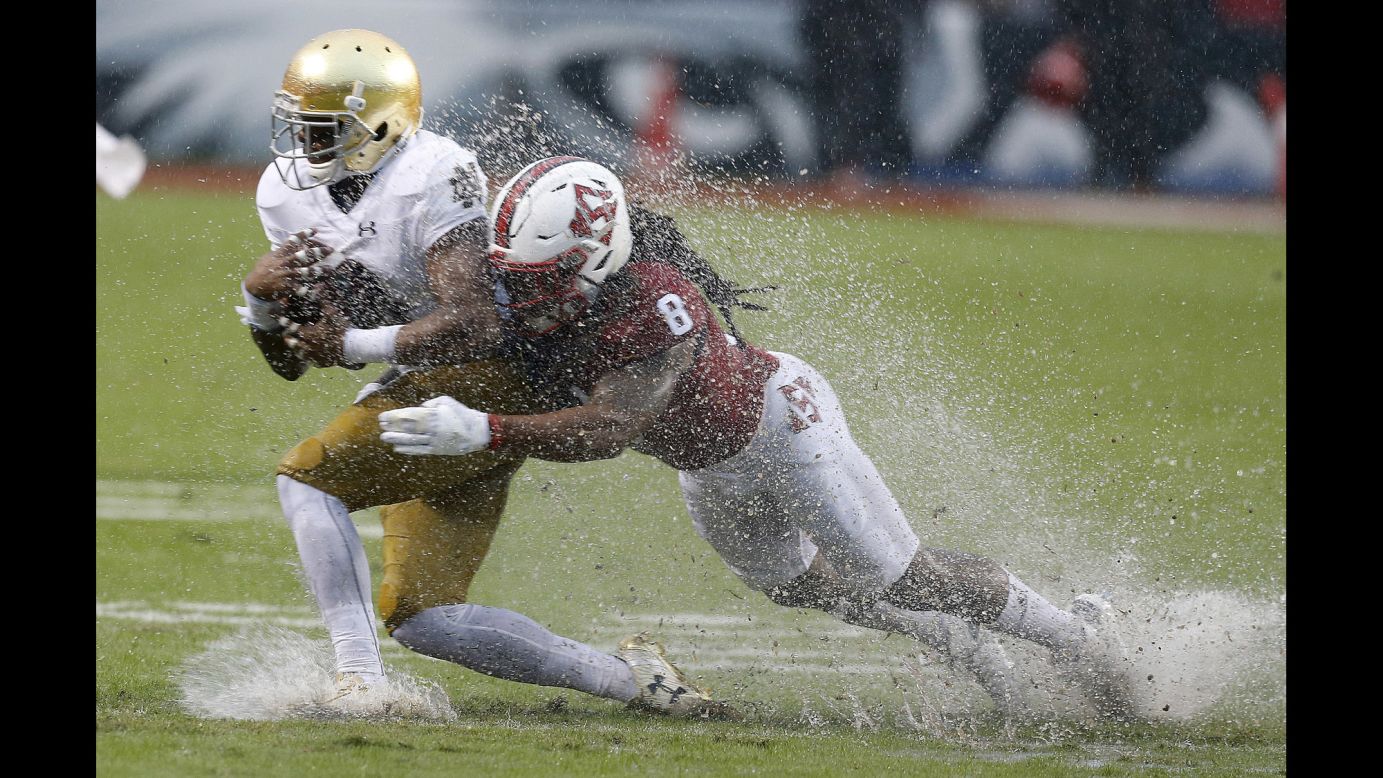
1177 96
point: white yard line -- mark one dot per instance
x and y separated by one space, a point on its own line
726 652
716 640
170 501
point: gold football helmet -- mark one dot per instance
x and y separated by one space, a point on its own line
349 100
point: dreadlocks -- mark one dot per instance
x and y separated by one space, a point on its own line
657 239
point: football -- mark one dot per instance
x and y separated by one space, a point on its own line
355 291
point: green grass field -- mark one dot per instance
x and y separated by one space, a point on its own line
1098 409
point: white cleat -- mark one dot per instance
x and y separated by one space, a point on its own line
348 685
354 697
1099 665
662 687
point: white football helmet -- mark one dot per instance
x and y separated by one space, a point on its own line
349 100
561 227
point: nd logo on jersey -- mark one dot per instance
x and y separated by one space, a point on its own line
802 411
465 185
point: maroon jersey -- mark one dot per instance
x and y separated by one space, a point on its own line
717 402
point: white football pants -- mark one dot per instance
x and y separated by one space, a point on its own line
801 485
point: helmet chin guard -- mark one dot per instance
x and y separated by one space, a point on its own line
561 227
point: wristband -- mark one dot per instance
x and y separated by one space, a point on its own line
366 346
496 434
262 314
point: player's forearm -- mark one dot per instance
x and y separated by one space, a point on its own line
624 404
447 338
465 326
574 435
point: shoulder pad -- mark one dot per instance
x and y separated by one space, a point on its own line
271 191
426 156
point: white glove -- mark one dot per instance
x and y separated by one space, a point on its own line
440 426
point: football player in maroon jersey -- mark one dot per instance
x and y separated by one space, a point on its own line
625 352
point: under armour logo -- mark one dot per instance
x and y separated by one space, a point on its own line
658 684
368 228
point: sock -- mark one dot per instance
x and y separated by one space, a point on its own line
338 574
959 641
933 628
1030 616
509 645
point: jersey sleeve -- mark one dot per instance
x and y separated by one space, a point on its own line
667 310
276 234
269 199
455 192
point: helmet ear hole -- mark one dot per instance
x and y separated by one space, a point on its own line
382 130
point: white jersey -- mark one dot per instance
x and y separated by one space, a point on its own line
430 186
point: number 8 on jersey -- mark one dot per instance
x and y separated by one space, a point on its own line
674 310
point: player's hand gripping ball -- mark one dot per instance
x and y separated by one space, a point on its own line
303 273
321 342
288 274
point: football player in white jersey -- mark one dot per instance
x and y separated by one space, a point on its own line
623 351
378 236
